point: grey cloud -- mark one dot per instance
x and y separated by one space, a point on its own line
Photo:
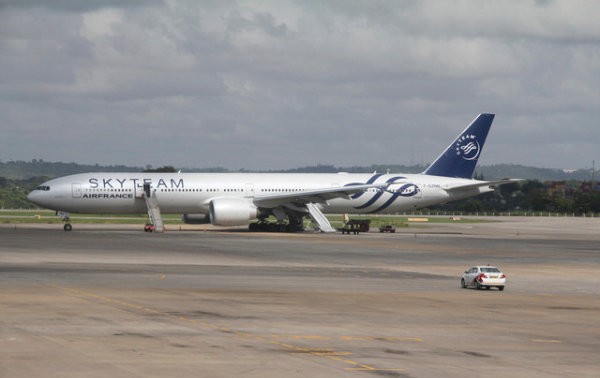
283 84
77 6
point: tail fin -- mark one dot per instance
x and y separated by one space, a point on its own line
460 158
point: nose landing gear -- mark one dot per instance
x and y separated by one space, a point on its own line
66 220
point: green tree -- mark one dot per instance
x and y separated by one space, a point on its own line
471 205
164 169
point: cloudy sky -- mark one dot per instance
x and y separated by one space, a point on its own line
284 84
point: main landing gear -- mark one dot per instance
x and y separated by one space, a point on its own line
294 224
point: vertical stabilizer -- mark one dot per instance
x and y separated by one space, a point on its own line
460 158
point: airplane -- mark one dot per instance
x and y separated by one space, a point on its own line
235 199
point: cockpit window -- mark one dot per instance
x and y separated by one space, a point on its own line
45 188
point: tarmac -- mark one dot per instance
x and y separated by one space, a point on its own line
198 301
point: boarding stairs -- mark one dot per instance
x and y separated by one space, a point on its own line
319 218
153 209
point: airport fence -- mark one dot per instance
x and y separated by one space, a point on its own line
500 214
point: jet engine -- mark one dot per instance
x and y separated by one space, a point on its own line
232 211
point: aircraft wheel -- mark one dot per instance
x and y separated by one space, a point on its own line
67 227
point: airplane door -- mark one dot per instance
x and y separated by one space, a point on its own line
419 190
249 190
138 190
76 190
411 191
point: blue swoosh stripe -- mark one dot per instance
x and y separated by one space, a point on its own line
370 181
389 202
378 194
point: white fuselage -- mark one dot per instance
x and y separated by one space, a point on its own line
193 192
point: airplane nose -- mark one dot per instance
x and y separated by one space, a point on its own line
32 196
42 195
36 197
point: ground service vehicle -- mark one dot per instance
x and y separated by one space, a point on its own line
387 228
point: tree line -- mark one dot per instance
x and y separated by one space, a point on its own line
572 197
13 193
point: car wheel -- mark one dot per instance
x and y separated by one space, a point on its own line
463 283
500 288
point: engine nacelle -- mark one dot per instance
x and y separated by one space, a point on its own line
232 211
195 218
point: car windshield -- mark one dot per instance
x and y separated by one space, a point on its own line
490 270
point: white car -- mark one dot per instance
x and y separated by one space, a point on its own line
483 276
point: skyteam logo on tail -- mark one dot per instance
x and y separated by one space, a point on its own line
467 147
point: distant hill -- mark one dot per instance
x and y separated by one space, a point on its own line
23 170
499 171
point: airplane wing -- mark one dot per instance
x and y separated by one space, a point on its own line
312 196
479 184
